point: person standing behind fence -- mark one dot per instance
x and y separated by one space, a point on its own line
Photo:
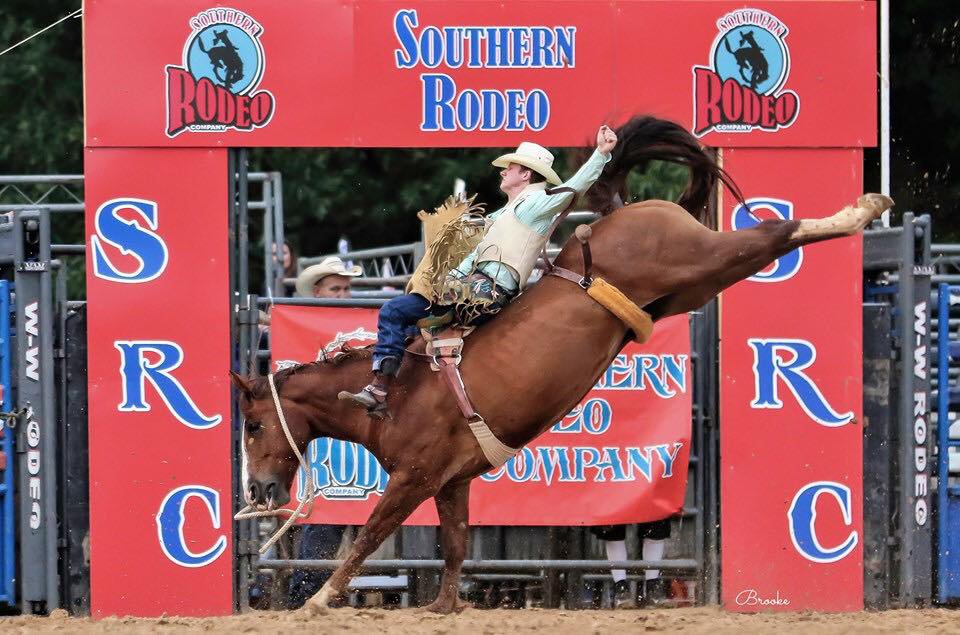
652 590
329 279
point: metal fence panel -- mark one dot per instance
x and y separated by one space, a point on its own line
37 435
948 491
75 475
878 453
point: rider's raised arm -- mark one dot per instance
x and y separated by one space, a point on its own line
543 208
588 173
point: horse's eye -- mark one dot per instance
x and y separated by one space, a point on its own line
253 427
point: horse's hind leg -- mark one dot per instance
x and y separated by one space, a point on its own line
847 222
453 509
404 492
725 258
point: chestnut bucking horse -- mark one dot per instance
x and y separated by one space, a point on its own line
530 366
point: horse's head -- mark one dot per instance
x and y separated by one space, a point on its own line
746 37
269 463
222 37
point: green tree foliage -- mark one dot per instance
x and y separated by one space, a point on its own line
925 111
41 83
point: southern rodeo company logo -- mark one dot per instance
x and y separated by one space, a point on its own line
742 88
215 88
342 470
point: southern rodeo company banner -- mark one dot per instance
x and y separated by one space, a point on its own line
620 456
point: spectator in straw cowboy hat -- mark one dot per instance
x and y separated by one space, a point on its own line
498 268
329 279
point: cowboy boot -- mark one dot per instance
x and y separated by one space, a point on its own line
373 396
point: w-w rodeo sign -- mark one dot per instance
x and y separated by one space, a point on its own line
755 81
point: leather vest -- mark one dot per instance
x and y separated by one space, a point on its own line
513 244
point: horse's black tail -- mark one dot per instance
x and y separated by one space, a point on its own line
644 139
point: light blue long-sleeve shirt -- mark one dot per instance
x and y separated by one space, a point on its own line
536 211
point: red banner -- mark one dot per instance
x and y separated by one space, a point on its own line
621 456
791 396
369 73
159 346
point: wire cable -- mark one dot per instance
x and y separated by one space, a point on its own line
75 14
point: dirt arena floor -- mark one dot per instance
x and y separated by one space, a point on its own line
484 622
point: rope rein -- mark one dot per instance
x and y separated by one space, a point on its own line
251 511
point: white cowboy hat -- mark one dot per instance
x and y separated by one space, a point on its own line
330 266
533 156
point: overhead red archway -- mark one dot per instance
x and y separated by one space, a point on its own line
423 74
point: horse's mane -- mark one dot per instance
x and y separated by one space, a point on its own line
260 387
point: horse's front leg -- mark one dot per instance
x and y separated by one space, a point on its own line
404 492
453 508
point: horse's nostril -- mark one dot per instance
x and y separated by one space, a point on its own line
271 491
254 492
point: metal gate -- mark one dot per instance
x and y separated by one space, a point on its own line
34 374
898 526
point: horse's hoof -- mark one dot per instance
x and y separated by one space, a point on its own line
445 607
877 203
313 608
319 604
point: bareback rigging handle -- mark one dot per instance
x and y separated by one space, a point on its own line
583 233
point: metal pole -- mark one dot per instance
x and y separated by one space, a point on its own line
239 585
885 104
243 236
905 423
51 530
943 437
337 302
278 232
7 179
9 520
270 253
679 564
913 303
36 434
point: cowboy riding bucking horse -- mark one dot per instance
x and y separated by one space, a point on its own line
497 269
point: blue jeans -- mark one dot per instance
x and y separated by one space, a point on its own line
397 319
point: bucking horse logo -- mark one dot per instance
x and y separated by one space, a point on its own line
742 88
753 66
226 62
215 87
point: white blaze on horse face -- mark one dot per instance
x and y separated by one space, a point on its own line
245 465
